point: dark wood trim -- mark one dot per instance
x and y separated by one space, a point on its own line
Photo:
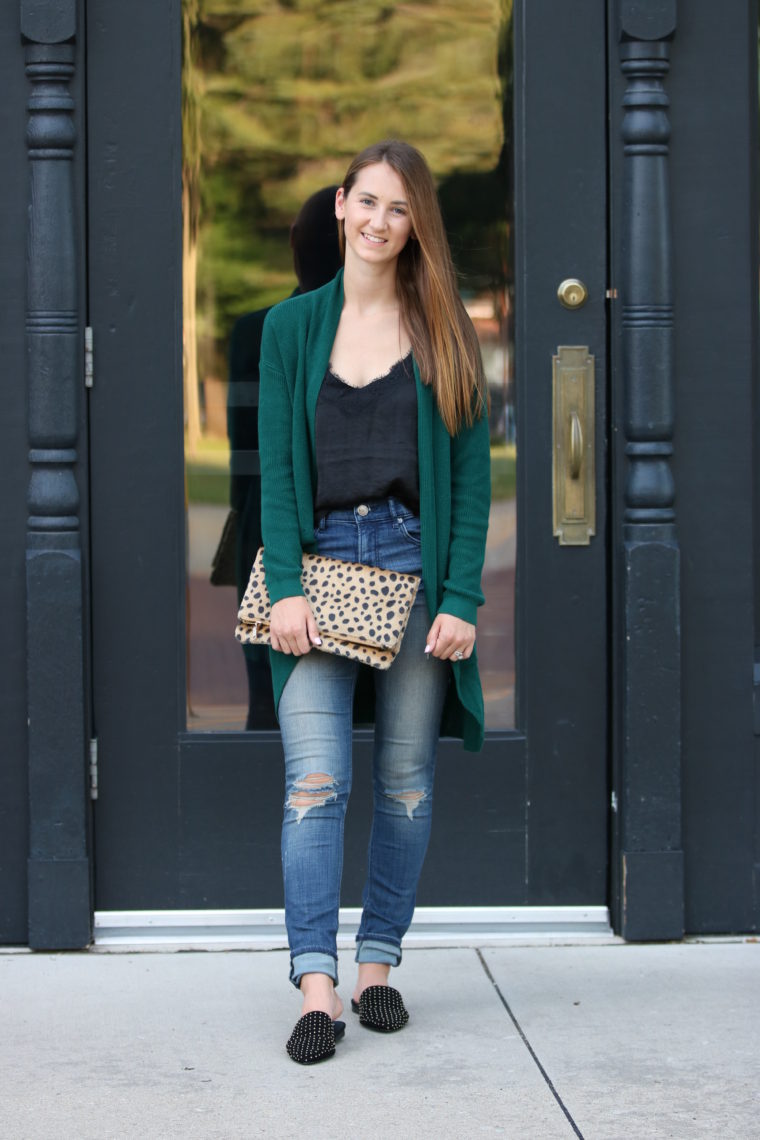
59 867
134 127
647 858
562 638
231 816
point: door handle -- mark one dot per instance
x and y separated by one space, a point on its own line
576 446
574 476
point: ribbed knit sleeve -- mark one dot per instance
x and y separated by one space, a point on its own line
470 506
279 511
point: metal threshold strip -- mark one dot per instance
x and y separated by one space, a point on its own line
431 927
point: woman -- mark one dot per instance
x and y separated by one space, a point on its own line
374 448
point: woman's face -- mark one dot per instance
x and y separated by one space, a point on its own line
375 213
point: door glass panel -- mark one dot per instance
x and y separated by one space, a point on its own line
276 101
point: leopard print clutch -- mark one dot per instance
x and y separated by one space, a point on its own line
361 611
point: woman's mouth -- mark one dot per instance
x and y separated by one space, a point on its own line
372 239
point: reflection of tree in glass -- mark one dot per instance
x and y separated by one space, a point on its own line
477 209
289 91
191 192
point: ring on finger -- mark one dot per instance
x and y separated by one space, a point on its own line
458 655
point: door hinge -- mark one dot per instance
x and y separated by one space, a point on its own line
756 693
94 768
88 373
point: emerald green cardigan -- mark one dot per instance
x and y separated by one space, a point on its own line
455 491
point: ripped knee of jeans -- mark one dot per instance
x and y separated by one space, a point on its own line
410 800
313 791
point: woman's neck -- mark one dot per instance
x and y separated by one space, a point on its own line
369 288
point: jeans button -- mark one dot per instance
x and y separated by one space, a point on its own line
362 509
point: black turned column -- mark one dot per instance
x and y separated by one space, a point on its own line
648 851
59 876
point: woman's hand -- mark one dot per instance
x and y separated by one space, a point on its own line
293 626
450 638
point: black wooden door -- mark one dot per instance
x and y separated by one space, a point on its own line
188 818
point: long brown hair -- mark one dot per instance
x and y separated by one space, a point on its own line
443 340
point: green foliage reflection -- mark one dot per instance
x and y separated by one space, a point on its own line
278 96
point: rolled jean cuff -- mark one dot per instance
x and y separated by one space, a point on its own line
313 962
372 950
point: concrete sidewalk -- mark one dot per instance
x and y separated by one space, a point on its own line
613 1041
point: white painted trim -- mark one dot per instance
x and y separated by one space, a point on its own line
431 926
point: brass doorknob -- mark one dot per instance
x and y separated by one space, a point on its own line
572 293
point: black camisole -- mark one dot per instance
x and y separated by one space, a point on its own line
366 440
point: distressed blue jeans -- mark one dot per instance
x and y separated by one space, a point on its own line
315 716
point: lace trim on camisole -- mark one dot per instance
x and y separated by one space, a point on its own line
396 364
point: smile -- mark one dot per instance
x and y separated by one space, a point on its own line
374 240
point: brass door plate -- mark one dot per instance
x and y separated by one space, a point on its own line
573 481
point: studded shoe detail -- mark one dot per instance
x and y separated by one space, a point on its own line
381 1008
313 1038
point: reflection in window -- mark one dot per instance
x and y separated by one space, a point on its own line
276 100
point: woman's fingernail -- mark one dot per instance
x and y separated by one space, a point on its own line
317 640
428 648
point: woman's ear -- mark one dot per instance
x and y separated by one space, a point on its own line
340 204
